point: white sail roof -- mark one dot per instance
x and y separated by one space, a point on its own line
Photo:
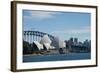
45 39
40 46
46 42
47 45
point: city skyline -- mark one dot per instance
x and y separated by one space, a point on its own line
62 24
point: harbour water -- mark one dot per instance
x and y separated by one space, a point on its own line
58 57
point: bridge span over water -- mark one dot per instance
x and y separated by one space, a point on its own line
31 36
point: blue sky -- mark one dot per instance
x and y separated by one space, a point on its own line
61 24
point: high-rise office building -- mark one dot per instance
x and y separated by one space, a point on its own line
75 41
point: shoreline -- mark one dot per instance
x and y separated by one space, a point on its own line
53 54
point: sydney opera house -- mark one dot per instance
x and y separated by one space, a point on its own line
45 45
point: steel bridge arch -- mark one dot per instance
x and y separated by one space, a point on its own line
31 36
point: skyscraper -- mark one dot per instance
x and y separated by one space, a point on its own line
75 41
71 41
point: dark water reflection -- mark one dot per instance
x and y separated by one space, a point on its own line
60 57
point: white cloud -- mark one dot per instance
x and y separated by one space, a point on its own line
73 31
40 14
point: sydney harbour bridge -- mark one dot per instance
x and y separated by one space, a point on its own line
31 36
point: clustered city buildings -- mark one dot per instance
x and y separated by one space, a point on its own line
56 46
77 46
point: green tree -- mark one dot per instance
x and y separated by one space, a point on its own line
26 48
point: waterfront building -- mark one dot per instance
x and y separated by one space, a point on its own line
71 41
45 40
75 41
